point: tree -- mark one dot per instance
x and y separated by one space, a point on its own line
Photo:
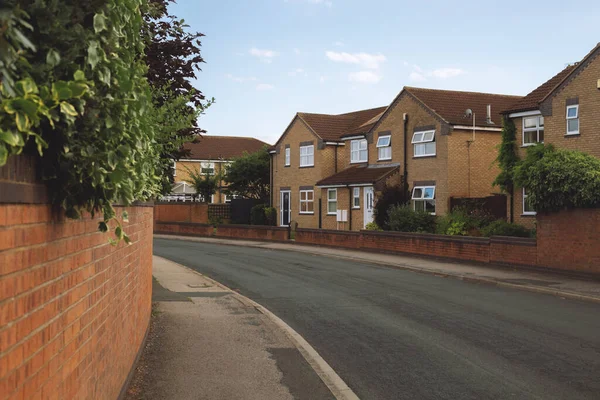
248 176
205 184
390 196
507 159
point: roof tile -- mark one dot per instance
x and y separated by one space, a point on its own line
360 174
333 127
209 147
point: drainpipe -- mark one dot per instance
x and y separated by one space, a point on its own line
405 117
271 181
335 160
349 208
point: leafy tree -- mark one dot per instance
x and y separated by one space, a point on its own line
205 184
507 156
559 179
249 175
390 196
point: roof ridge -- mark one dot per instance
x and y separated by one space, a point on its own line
342 114
229 137
462 91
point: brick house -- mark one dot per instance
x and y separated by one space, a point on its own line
563 111
211 154
425 139
309 150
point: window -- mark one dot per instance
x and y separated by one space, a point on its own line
287 156
307 202
358 151
174 168
573 120
207 168
356 198
229 197
331 201
384 148
527 209
533 130
307 156
424 143
424 198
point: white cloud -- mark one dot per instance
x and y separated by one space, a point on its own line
241 79
445 73
416 77
297 71
366 60
364 77
264 86
263 55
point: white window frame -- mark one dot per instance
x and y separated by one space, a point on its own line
525 195
331 201
174 168
537 128
288 156
207 165
387 148
308 159
307 201
355 153
576 107
356 198
423 142
423 198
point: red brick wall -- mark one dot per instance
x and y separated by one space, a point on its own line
183 228
73 309
513 251
253 232
332 238
181 212
569 240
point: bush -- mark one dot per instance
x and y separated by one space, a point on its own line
372 226
503 228
257 215
558 179
402 218
271 216
463 221
390 196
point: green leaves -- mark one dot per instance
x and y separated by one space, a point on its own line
99 22
52 58
68 109
93 54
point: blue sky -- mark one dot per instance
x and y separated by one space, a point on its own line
268 59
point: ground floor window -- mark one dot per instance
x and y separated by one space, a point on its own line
423 198
307 202
331 201
527 208
356 198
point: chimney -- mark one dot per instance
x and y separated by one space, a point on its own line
488 118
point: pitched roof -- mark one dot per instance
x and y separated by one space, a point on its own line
451 105
533 99
333 127
208 147
360 174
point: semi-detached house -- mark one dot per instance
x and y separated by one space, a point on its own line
425 139
565 112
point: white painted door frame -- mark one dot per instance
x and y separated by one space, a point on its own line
281 193
368 201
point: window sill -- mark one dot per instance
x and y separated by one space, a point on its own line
306 213
359 162
286 166
332 214
428 156
531 144
572 134
356 208
384 159
528 214
307 166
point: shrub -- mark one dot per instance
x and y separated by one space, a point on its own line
372 226
271 216
503 228
390 196
257 215
463 221
402 218
558 179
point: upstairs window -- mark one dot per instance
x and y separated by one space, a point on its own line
423 198
358 151
356 197
423 143
307 156
384 147
287 156
573 120
533 130
207 168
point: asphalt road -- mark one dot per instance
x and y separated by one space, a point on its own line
395 334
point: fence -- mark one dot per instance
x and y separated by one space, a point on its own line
494 205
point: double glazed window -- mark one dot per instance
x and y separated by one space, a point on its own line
307 156
424 143
356 197
573 120
358 151
384 147
331 201
207 168
287 156
527 208
307 202
533 130
423 198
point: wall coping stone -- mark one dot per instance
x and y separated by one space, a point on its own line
430 236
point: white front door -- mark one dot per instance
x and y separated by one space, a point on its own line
368 205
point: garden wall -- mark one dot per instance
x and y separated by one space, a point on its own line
74 310
181 212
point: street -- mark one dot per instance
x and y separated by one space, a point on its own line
396 334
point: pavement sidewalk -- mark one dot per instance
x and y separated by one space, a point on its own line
548 282
207 342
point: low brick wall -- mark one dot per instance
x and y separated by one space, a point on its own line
253 232
455 247
74 309
181 212
350 240
183 228
513 251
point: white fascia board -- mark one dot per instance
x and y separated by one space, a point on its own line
331 186
335 144
525 114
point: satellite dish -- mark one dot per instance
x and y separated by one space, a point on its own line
468 113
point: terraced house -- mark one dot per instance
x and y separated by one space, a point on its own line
210 155
563 111
426 139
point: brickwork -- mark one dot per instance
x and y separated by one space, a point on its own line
330 221
253 232
181 212
513 251
349 240
73 308
184 228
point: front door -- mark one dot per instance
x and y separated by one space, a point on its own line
285 208
368 205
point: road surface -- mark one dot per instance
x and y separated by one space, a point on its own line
396 334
